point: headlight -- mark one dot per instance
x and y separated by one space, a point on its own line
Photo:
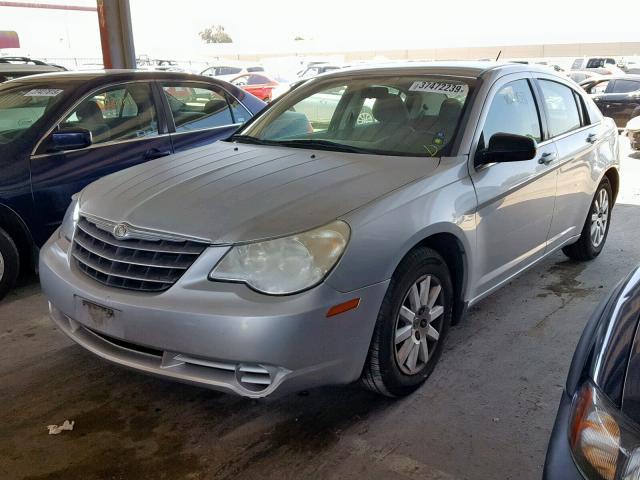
70 219
604 443
285 265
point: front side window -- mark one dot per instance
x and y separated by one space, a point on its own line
400 115
562 110
121 112
513 110
197 108
21 107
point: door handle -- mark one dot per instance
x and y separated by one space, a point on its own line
592 138
547 158
155 153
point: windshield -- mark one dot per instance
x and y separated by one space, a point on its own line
22 106
402 115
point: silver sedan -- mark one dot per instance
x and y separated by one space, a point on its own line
313 248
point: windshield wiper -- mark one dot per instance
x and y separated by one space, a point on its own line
250 139
322 145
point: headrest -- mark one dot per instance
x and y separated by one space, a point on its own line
214 106
450 109
89 111
390 109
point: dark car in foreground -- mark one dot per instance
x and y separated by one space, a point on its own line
617 97
597 431
59 132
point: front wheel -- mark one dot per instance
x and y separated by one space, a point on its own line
9 263
411 327
596 226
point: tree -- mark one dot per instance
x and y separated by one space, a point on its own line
215 34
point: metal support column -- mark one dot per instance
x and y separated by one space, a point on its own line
116 35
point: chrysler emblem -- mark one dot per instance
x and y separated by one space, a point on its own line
120 230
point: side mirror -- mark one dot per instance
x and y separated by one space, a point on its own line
71 139
507 147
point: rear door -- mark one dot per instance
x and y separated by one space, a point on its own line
577 135
200 113
126 129
515 199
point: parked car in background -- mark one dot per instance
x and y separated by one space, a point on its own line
315 69
607 64
257 84
17 67
579 76
229 72
58 132
633 132
596 434
289 257
617 97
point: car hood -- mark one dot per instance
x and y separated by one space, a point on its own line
230 193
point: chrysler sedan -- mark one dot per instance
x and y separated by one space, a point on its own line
301 253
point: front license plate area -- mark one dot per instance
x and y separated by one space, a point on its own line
98 317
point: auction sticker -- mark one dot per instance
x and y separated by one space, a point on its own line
43 92
440 87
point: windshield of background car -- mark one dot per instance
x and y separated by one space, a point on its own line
401 115
22 106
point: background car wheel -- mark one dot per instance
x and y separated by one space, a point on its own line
9 263
596 226
411 327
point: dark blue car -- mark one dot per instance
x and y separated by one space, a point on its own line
597 430
61 131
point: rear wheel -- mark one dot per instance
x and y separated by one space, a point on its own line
596 226
9 263
411 327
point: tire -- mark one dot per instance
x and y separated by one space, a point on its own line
9 263
587 248
385 372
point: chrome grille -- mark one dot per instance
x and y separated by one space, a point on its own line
144 264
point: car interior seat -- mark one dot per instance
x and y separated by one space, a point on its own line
90 118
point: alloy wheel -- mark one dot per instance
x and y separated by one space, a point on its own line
418 324
599 218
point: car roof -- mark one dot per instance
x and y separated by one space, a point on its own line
99 76
472 69
27 68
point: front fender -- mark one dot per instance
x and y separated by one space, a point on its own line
383 232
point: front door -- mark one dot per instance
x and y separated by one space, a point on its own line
123 121
515 199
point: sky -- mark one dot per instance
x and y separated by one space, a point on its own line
168 28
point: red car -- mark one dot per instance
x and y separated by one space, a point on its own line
257 84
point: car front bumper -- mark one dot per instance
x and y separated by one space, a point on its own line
559 464
218 335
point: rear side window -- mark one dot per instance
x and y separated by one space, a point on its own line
197 108
562 110
626 86
513 110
